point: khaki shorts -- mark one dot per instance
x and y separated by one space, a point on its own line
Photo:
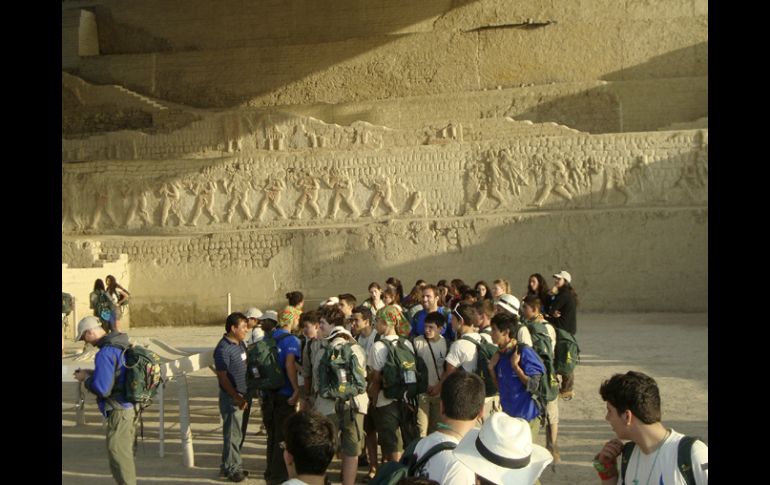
387 420
553 411
352 436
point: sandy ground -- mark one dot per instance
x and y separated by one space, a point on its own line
670 347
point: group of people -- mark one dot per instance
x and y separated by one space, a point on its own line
443 380
108 302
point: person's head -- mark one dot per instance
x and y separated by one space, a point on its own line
375 290
99 285
502 451
530 307
268 320
310 444
387 318
632 398
443 292
434 323
310 323
485 310
430 298
389 297
395 285
252 314
295 298
90 330
236 326
416 294
360 319
469 295
562 279
455 285
463 317
462 396
504 329
500 287
536 284
347 303
483 289
331 317
507 304
111 282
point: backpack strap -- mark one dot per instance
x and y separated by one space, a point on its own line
436 449
628 448
684 458
435 364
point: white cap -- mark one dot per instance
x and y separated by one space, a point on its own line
86 324
269 315
253 313
565 275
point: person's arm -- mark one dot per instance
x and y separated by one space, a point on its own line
452 362
238 398
291 374
605 462
492 368
375 384
307 369
101 380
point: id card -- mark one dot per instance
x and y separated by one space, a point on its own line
410 377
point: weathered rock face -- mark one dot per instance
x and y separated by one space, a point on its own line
359 153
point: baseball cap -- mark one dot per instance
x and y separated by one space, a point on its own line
253 313
86 324
565 275
269 315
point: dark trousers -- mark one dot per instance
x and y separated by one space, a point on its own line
275 410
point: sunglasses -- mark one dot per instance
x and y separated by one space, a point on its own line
454 310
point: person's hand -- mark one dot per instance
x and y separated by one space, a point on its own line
556 314
515 359
241 402
293 399
611 450
433 390
82 374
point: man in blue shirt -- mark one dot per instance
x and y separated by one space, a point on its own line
517 369
230 365
107 380
280 404
430 299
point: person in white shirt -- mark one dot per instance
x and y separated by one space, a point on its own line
485 310
510 304
362 326
432 348
461 405
255 330
308 449
633 412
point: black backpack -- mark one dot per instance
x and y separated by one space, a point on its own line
683 459
567 352
394 471
483 356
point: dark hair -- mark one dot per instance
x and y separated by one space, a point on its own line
365 311
333 315
311 440
415 294
347 297
534 302
374 284
442 283
469 292
542 288
392 294
295 297
234 319
435 317
463 395
99 285
505 322
633 391
417 481
399 287
466 313
457 283
432 288
485 306
420 283
568 286
488 293
312 316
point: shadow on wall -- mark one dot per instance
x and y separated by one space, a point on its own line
644 97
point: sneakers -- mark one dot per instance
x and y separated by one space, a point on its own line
238 476
567 395
223 474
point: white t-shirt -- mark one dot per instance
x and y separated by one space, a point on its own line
255 335
439 352
464 353
326 406
377 358
524 336
294 481
443 467
486 337
640 466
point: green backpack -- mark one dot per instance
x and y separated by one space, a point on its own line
483 356
142 375
404 374
340 375
264 370
548 389
567 353
409 465
66 303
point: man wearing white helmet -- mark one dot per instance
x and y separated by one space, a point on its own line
106 380
509 304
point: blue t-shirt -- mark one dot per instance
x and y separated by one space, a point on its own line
418 324
231 358
287 345
515 400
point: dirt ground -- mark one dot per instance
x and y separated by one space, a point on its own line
670 347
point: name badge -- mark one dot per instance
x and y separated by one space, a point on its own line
243 355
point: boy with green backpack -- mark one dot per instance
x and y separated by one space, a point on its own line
339 387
